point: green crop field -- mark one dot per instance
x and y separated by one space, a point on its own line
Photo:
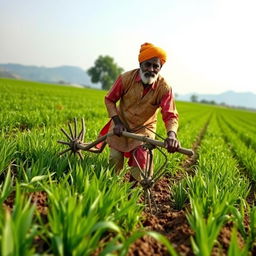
52 205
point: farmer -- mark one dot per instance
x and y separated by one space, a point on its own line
140 92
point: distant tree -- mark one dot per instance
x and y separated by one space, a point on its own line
105 71
194 98
62 82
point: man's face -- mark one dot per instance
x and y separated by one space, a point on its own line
149 70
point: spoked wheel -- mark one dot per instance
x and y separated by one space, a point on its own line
74 139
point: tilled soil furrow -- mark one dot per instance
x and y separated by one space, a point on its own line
169 222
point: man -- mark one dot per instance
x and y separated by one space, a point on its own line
140 92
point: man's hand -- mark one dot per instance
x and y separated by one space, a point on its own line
118 129
119 126
171 142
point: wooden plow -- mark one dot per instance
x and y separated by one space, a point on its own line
76 144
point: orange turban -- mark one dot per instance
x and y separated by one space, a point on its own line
149 51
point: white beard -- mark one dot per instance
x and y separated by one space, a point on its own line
148 79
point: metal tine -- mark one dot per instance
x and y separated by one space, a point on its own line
83 126
81 134
141 171
146 169
63 142
70 130
65 151
80 155
149 163
66 134
158 175
75 125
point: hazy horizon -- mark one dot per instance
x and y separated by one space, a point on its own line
210 44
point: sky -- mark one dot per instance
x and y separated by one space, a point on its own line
211 44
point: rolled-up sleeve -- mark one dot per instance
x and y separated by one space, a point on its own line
169 112
113 96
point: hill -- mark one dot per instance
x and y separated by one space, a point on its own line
7 74
230 98
62 74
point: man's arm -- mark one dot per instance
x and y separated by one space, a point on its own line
170 118
111 98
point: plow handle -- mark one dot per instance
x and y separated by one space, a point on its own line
185 151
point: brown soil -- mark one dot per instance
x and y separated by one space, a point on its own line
9 202
224 240
169 222
40 200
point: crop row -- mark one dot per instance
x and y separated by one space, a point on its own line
245 154
216 194
244 134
